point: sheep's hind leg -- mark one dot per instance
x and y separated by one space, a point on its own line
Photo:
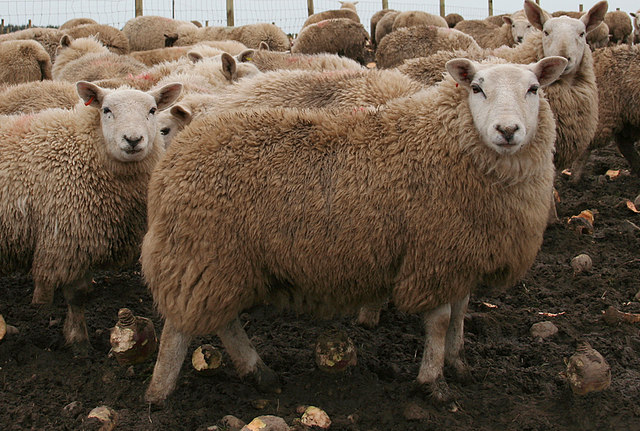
246 359
173 350
454 341
626 145
436 324
75 325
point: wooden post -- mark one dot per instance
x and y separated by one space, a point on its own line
490 7
2 26
309 7
442 13
230 13
580 7
29 25
385 4
138 7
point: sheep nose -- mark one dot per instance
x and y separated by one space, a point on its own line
519 39
133 141
507 132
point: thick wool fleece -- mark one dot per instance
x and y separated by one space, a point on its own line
323 213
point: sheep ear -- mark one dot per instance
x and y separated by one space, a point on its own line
264 46
246 55
228 66
462 70
90 93
170 39
66 40
182 113
595 16
536 16
166 95
632 14
548 69
507 19
194 56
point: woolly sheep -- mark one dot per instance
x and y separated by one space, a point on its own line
323 212
348 5
573 98
329 14
30 97
496 20
148 32
251 35
23 61
617 72
385 25
487 35
74 189
420 41
266 61
115 40
47 37
620 27
452 19
375 19
86 59
636 26
596 38
416 17
156 56
336 36
74 22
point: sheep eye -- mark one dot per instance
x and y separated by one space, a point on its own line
546 33
476 88
582 34
152 111
533 89
106 110
165 131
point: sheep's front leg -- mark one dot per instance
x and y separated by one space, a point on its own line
436 325
454 341
369 315
75 325
245 358
173 349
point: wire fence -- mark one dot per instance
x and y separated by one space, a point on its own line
287 14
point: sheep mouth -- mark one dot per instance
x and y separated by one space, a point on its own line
133 150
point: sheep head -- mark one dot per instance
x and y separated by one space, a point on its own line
503 98
128 117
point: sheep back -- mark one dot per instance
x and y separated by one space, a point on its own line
416 17
336 36
330 14
47 37
74 22
115 40
323 212
452 19
33 97
375 19
23 61
148 32
487 35
266 60
385 25
620 27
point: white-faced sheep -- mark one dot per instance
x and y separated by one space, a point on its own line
617 72
266 60
74 186
23 61
596 38
115 40
251 35
420 41
340 36
421 201
620 27
636 26
385 25
86 59
488 35
148 32
30 97
74 22
452 19
417 17
375 19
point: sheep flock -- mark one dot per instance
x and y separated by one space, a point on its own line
411 162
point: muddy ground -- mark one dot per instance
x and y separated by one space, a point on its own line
517 382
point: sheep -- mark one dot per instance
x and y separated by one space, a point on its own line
375 19
74 22
266 61
496 20
620 27
487 35
148 32
252 35
636 26
47 37
115 40
23 61
417 17
385 25
452 19
86 59
152 57
617 74
596 38
30 97
573 98
348 5
73 193
420 41
422 201
330 14
336 36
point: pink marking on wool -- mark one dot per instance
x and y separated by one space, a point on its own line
322 23
22 123
293 60
143 76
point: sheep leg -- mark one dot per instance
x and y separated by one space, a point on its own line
454 341
369 315
173 350
245 358
75 325
436 324
626 145
578 165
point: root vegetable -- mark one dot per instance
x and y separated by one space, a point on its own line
266 423
313 416
335 351
133 339
581 263
613 316
106 416
206 359
587 371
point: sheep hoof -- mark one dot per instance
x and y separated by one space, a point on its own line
81 349
265 380
459 372
155 400
439 391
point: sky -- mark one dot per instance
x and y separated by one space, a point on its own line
288 14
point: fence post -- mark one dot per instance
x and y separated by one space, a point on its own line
442 13
138 7
2 26
490 7
230 13
309 7
385 4
580 7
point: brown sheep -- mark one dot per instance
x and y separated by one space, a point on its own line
385 25
375 19
620 27
341 36
148 32
452 19
23 61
